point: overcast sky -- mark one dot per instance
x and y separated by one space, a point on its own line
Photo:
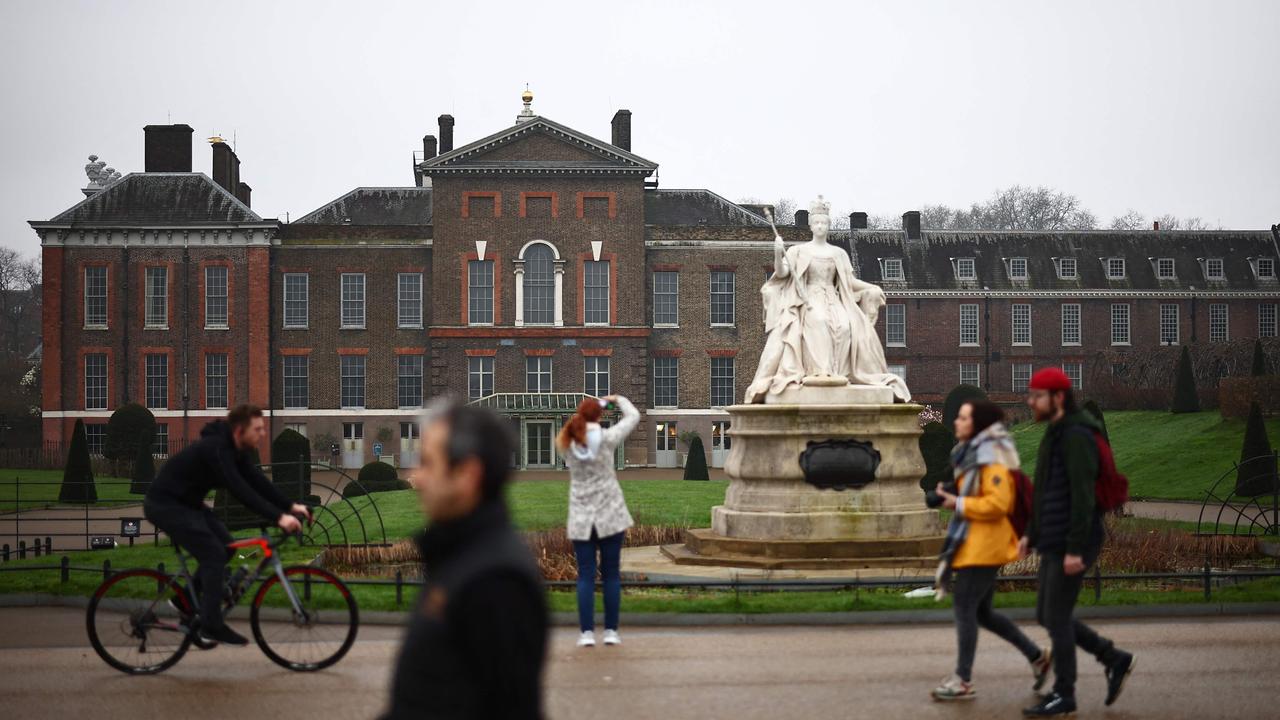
881 106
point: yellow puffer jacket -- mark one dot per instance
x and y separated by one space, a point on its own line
990 540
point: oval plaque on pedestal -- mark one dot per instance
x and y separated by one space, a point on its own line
839 464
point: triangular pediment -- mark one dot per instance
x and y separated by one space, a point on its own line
538 145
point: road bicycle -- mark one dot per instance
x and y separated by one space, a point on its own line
142 621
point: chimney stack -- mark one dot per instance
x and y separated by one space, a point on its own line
622 129
167 148
226 167
858 221
802 218
1155 225
446 133
428 147
911 223
244 193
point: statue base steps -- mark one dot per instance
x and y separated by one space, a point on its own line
703 547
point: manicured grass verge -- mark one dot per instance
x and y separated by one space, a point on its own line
1165 456
21 489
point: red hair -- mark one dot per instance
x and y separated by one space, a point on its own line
589 411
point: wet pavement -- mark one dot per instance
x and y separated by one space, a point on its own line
1192 668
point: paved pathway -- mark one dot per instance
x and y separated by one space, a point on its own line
1215 668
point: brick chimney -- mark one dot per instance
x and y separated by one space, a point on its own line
1155 225
167 148
244 193
446 133
226 167
858 221
911 223
428 147
622 129
802 218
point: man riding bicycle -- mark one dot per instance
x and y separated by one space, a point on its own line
175 504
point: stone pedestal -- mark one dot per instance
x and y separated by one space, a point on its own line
772 517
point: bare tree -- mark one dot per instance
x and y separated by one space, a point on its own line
19 302
1039 208
1173 222
1131 220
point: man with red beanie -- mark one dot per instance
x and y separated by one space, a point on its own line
1067 531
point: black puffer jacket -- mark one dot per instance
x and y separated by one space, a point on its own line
1064 518
211 463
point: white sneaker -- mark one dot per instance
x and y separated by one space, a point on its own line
587 639
611 637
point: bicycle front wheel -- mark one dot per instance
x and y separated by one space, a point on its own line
312 635
132 625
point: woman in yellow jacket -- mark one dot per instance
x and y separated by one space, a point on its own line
979 540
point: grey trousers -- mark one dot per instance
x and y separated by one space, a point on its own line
973 589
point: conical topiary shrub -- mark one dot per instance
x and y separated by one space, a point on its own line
1185 397
291 463
77 478
695 466
1096 412
958 396
1259 359
130 425
144 471
935 445
1257 471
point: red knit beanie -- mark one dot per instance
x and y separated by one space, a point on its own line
1051 379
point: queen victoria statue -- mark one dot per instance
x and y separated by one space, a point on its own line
820 320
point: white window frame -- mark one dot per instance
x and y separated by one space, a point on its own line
89 399
899 369
732 293
1215 269
592 373
105 297
538 367
1171 320
1267 320
480 368
147 378
226 380
608 293
966 263
286 378
1014 263
1020 327
410 303
1270 273
210 322
1219 327
1110 264
975 322
732 378
1062 263
158 320
674 378
1066 311
976 369
675 295
898 339
1021 377
1075 373
893 269
471 292
343 362
352 302
1121 324
401 376
305 301
1173 269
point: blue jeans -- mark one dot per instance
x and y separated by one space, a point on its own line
610 550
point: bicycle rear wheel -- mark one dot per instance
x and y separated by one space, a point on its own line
315 638
132 625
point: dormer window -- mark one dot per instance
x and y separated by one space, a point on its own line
1017 268
1213 269
1165 269
892 269
1115 268
1265 268
966 269
1066 268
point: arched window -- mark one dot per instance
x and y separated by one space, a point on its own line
539 285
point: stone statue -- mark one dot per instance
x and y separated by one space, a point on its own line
820 320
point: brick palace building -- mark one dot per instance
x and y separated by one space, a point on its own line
537 264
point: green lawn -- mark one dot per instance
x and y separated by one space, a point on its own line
1165 456
21 489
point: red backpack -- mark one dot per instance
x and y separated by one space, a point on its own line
1111 490
1020 513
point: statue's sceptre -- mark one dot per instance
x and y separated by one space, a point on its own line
779 249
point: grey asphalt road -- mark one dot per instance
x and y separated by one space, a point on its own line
1194 668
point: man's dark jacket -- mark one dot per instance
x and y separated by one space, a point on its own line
1063 518
477 638
214 462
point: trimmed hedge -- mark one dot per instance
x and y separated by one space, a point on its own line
958 396
1185 397
144 471
375 477
129 427
77 478
1259 360
1237 394
1257 472
695 465
291 463
935 445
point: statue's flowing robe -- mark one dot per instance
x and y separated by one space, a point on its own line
782 361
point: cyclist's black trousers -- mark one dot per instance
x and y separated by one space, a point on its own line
205 538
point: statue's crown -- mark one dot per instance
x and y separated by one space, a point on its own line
820 207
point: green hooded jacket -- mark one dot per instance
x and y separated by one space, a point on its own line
1081 460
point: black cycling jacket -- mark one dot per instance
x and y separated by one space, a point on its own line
215 462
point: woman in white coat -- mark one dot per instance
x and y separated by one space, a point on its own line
598 516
